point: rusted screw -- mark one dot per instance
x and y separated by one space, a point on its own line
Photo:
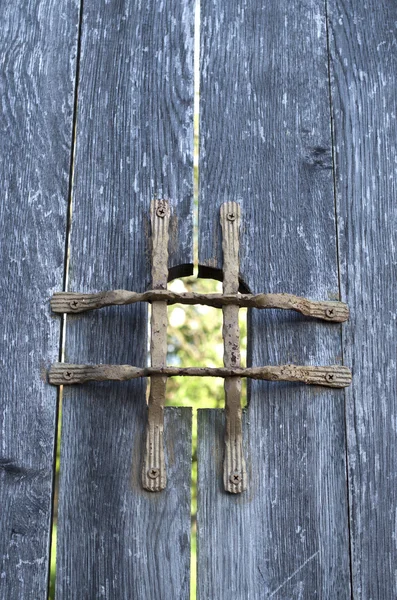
153 473
330 312
161 212
231 216
74 304
68 375
330 377
235 478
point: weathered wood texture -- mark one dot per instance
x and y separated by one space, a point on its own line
266 143
115 539
134 143
363 45
38 41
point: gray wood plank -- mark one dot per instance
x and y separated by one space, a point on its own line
266 142
134 143
38 41
363 43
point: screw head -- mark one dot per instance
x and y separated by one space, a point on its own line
68 375
231 216
330 312
161 211
330 377
235 477
153 473
75 304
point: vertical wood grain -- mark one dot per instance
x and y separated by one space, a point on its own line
134 144
37 74
266 143
363 44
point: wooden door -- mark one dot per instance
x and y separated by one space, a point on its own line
298 125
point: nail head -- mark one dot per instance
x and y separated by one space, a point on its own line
235 478
160 212
153 473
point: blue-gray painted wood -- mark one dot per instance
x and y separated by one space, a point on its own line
134 143
363 45
266 142
38 43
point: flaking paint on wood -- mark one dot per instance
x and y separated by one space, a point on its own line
266 143
38 43
363 44
134 144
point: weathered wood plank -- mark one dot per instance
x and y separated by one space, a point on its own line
363 43
115 539
38 42
134 144
266 143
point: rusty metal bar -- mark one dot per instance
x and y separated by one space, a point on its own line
74 302
335 376
154 477
234 471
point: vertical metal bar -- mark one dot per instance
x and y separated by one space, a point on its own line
234 471
154 477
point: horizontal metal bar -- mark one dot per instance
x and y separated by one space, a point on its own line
330 376
69 302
